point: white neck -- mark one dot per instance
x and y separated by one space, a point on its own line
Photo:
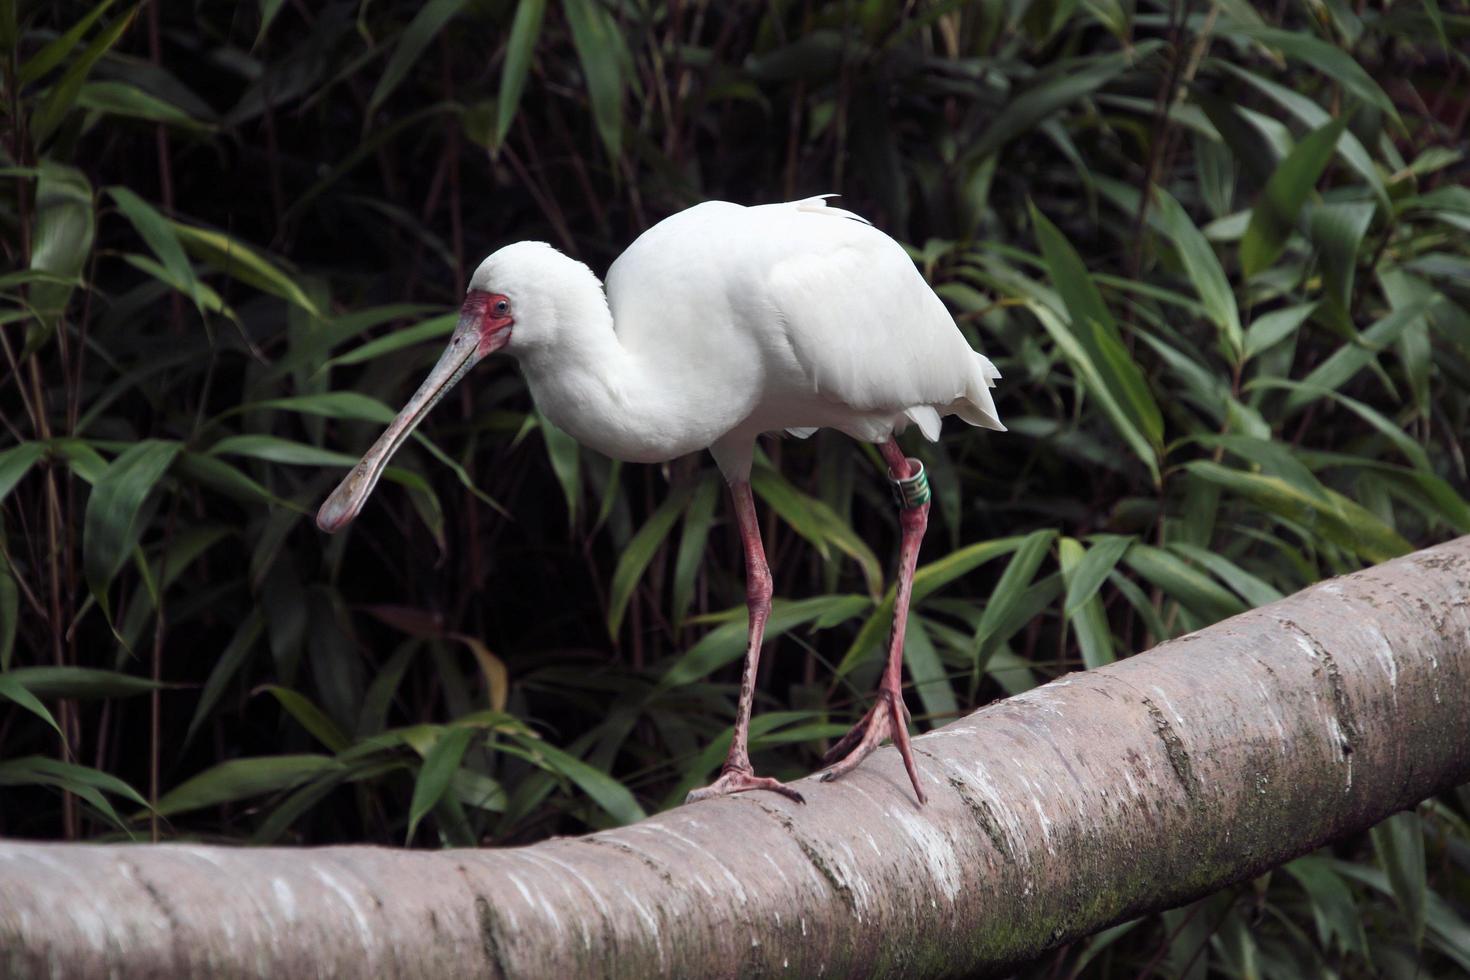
626 404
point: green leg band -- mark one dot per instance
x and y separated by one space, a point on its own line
912 492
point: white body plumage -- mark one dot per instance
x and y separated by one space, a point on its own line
722 322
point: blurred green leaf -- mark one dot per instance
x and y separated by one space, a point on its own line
309 716
79 682
598 43
241 262
698 518
1399 844
1071 81
12 690
62 96
15 462
606 792
430 19
1204 270
525 31
440 765
640 551
816 522
56 50
1098 352
112 527
1084 611
1290 186
931 680
243 779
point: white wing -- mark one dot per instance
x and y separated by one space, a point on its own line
865 326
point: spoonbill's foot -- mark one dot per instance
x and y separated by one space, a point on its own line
738 781
887 718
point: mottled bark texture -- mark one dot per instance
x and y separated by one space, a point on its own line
1095 798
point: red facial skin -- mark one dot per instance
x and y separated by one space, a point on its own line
494 329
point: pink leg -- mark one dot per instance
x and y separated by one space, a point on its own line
737 774
889 716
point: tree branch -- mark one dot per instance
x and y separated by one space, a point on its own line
1095 798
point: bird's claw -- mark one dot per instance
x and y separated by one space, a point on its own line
739 781
887 718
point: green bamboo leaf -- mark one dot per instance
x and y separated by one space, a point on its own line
1336 229
1098 352
242 779
425 26
1071 81
9 612
1272 328
16 462
205 298
65 228
1349 359
1327 58
1338 519
215 473
73 774
565 456
1204 270
310 717
931 680
525 31
1314 116
268 11
12 690
1086 615
327 404
111 528
60 99
439 326
640 551
131 102
1193 589
241 262
1290 185
1334 909
1399 844
726 643
1092 569
79 682
435 775
816 522
599 46
698 519
1413 345
605 791
83 781
309 348
1014 582
274 449
226 665
59 47
158 232
1251 588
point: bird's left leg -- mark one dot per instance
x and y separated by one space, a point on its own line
737 774
889 716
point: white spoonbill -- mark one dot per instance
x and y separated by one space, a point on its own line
718 324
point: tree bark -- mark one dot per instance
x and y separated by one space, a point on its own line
1095 798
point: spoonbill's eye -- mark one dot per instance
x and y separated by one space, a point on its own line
502 307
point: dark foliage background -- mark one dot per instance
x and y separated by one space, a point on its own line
1217 250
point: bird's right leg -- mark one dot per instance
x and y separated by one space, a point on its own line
737 774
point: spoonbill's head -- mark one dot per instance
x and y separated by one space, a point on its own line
514 303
